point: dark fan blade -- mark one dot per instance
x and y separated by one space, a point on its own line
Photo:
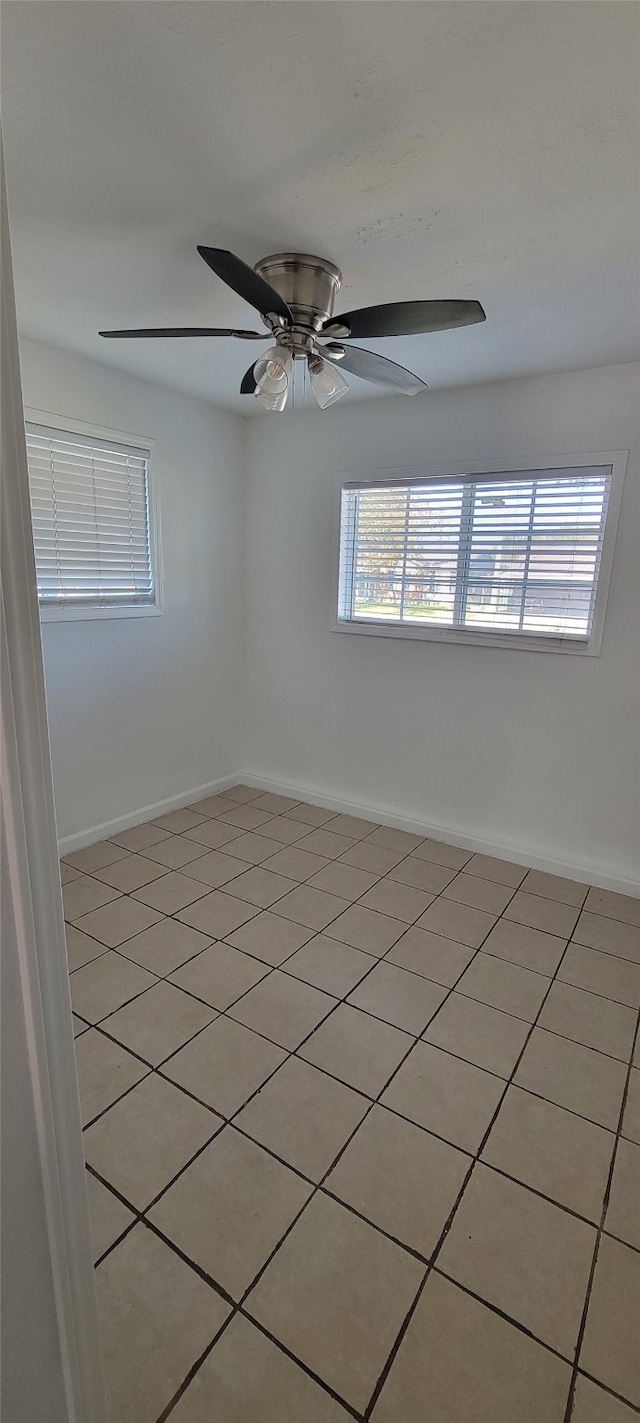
243 280
404 318
190 331
248 382
369 366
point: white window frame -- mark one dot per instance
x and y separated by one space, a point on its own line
68 425
478 637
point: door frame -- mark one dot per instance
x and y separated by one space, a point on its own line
34 926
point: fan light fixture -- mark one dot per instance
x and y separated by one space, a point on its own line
269 401
295 294
273 376
272 372
327 383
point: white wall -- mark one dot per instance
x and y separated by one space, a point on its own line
535 753
142 709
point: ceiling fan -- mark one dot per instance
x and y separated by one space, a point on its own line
294 294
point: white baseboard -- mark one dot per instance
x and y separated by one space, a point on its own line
140 816
385 815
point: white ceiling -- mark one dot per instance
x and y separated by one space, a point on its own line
485 150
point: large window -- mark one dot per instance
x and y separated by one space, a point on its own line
513 557
92 524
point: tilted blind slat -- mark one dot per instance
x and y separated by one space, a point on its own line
509 553
90 514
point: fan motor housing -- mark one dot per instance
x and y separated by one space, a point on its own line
309 285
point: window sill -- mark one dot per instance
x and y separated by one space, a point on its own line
478 638
87 614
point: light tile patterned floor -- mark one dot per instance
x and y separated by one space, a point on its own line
362 1124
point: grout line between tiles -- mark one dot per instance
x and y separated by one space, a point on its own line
348 1407
236 1308
611 1235
119 1239
633 1407
501 1313
142 1211
193 1371
401 1334
121 1096
314 1192
318 1186
599 1233
199 1270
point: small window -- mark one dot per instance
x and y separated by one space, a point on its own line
92 525
511 558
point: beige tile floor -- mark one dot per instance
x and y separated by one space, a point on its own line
362 1124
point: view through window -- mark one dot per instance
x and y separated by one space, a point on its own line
504 553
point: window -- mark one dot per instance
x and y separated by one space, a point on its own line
92 524
509 557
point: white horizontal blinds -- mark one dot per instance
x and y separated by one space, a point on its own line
90 512
535 554
509 553
401 545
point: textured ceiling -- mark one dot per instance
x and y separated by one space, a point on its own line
475 149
